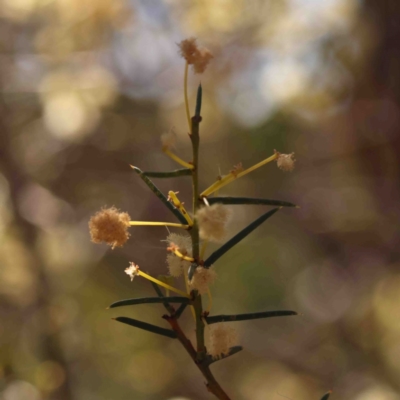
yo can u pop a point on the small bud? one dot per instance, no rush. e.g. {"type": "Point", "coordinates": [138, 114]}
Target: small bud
{"type": "Point", "coordinates": [212, 222]}
{"type": "Point", "coordinates": [195, 56]}
{"type": "Point", "coordinates": [221, 339]}
{"type": "Point", "coordinates": [110, 226]}
{"type": "Point", "coordinates": [285, 162]}
{"type": "Point", "coordinates": [133, 270]}
{"type": "Point", "coordinates": [202, 279]}
{"type": "Point", "coordinates": [168, 139]}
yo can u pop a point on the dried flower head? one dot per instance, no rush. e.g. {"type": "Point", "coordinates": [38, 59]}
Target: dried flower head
{"type": "Point", "coordinates": [285, 162]}
{"type": "Point", "coordinates": [168, 139]}
{"type": "Point", "coordinates": [184, 245]}
{"type": "Point", "coordinates": [198, 57]}
{"type": "Point", "coordinates": [110, 226]}
{"type": "Point", "coordinates": [202, 279]}
{"type": "Point", "coordinates": [133, 270]}
{"type": "Point", "coordinates": [212, 222]}
{"type": "Point", "coordinates": [221, 339]}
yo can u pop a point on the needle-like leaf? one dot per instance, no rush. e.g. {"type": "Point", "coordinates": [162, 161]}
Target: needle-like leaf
{"type": "Point", "coordinates": [147, 327]}
{"type": "Point", "coordinates": [248, 200]}
{"type": "Point", "coordinates": [160, 195]}
{"type": "Point", "coordinates": [169, 174]}
{"type": "Point", "coordinates": [237, 238]}
{"type": "Point", "coordinates": [243, 317]}
{"type": "Point", "coordinates": [148, 300]}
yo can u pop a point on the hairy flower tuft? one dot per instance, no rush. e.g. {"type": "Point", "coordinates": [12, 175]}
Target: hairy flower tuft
{"type": "Point", "coordinates": [198, 57]}
{"type": "Point", "coordinates": [212, 222]}
{"type": "Point", "coordinates": [133, 270]}
{"type": "Point", "coordinates": [110, 226]}
{"type": "Point", "coordinates": [285, 162]}
{"type": "Point", "coordinates": [184, 245]}
{"type": "Point", "coordinates": [221, 339]}
{"type": "Point", "coordinates": [202, 279]}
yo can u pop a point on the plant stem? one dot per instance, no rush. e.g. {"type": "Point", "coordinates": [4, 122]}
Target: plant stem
{"type": "Point", "coordinates": [212, 384]}
{"type": "Point", "coordinates": [199, 356]}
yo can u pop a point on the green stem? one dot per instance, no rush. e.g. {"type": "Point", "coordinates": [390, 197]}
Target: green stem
{"type": "Point", "coordinates": [212, 384]}
{"type": "Point", "coordinates": [195, 138]}
{"type": "Point", "coordinates": [199, 355]}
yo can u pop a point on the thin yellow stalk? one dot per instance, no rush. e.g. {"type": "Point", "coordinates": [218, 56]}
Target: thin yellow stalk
{"type": "Point", "coordinates": [232, 176]}
{"type": "Point", "coordinates": [180, 255]}
{"type": "Point", "coordinates": [177, 203]}
{"type": "Point", "coordinates": [185, 80]}
{"type": "Point", "coordinates": [150, 223]}
{"type": "Point", "coordinates": [177, 159]}
{"type": "Point", "coordinates": [165, 285]}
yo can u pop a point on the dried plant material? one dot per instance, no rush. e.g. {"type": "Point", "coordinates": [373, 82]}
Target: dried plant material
{"type": "Point", "coordinates": [198, 57]}
{"type": "Point", "coordinates": [188, 49]}
{"type": "Point", "coordinates": [213, 221]}
{"type": "Point", "coordinates": [202, 279]}
{"type": "Point", "coordinates": [133, 270]}
{"type": "Point", "coordinates": [202, 59]}
{"type": "Point", "coordinates": [221, 339]}
{"type": "Point", "coordinates": [285, 162]}
{"type": "Point", "coordinates": [110, 226]}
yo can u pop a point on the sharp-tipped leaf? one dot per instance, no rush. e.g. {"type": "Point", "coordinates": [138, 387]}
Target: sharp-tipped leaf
{"type": "Point", "coordinates": [198, 101]}
{"type": "Point", "coordinates": [169, 174]}
{"type": "Point", "coordinates": [243, 317]}
{"type": "Point", "coordinates": [167, 306]}
{"type": "Point", "coordinates": [160, 195]}
{"type": "Point", "coordinates": [148, 300]}
{"type": "Point", "coordinates": [180, 310]}
{"type": "Point", "coordinates": [326, 395]}
{"type": "Point", "coordinates": [233, 350]}
{"type": "Point", "coordinates": [248, 200]}
{"type": "Point", "coordinates": [147, 327]}
{"type": "Point", "coordinates": [237, 238]}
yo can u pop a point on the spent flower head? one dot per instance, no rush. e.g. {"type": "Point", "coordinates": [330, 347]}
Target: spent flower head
{"type": "Point", "coordinates": [221, 339]}
{"type": "Point", "coordinates": [202, 279]}
{"type": "Point", "coordinates": [212, 222]}
{"type": "Point", "coordinates": [198, 57]}
{"type": "Point", "coordinates": [285, 162]}
{"type": "Point", "coordinates": [110, 226]}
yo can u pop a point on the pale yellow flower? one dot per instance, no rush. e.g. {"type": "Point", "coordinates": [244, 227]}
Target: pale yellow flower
{"type": "Point", "coordinates": [110, 226]}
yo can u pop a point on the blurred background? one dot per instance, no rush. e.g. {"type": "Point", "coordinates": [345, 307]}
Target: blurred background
{"type": "Point", "coordinates": [88, 86]}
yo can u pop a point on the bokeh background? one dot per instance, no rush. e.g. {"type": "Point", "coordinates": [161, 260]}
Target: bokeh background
{"type": "Point", "coordinates": [88, 86]}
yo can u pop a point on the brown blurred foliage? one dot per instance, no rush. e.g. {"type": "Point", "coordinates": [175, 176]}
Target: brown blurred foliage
{"type": "Point", "coordinates": [88, 86]}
